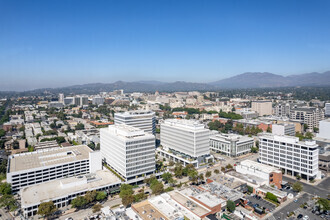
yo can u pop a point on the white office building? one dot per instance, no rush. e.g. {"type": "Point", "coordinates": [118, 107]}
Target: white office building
{"type": "Point", "coordinates": [324, 129]}
{"type": "Point", "coordinates": [308, 115]}
{"type": "Point", "coordinates": [98, 100]}
{"type": "Point", "coordinates": [129, 151]}
{"type": "Point", "coordinates": [63, 191]}
{"type": "Point", "coordinates": [284, 129]}
{"type": "Point", "coordinates": [290, 154]}
{"type": "Point", "coordinates": [40, 166]}
{"type": "Point", "coordinates": [142, 119]}
{"type": "Point", "coordinates": [327, 109]}
{"type": "Point", "coordinates": [184, 139]}
{"type": "Point", "coordinates": [232, 145]}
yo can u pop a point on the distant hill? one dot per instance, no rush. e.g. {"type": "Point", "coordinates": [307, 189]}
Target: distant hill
{"type": "Point", "coordinates": [265, 80]}
{"type": "Point", "coordinates": [243, 81]}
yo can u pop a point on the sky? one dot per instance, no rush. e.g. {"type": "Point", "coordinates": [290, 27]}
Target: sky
{"type": "Point", "coordinates": [57, 43]}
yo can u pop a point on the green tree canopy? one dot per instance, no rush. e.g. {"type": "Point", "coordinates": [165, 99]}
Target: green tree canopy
{"type": "Point", "coordinates": [297, 187]}
{"type": "Point", "coordinates": [79, 202]}
{"type": "Point", "coordinates": [46, 209]}
{"type": "Point", "coordinates": [231, 206]}
{"type": "Point", "coordinates": [5, 188]}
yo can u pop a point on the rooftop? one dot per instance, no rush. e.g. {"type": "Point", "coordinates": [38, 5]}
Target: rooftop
{"type": "Point", "coordinates": [47, 191]}
{"type": "Point", "coordinates": [185, 124]}
{"type": "Point", "coordinates": [258, 166]}
{"type": "Point", "coordinates": [231, 137]}
{"type": "Point", "coordinates": [288, 139]}
{"type": "Point", "coordinates": [147, 211]}
{"type": "Point", "coordinates": [125, 132]}
{"type": "Point", "coordinates": [47, 157]}
{"type": "Point", "coordinates": [135, 113]}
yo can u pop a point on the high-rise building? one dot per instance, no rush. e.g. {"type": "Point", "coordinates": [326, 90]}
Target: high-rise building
{"type": "Point", "coordinates": [262, 107]}
{"type": "Point", "coordinates": [310, 116]}
{"type": "Point", "coordinates": [231, 144]}
{"type": "Point", "coordinates": [69, 101]}
{"type": "Point", "coordinates": [290, 154]}
{"type": "Point", "coordinates": [129, 151]}
{"type": "Point", "coordinates": [142, 119]}
{"type": "Point", "coordinates": [327, 109]}
{"type": "Point", "coordinates": [61, 97]}
{"type": "Point", "coordinates": [187, 138]}
{"type": "Point", "coordinates": [284, 129]}
{"type": "Point", "coordinates": [77, 101]}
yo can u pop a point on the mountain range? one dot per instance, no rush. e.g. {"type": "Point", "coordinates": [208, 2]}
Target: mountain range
{"type": "Point", "coordinates": [243, 81]}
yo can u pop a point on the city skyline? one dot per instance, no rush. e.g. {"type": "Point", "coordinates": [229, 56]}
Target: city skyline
{"type": "Point", "coordinates": [46, 44]}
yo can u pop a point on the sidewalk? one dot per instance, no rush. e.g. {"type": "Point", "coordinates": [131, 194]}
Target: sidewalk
{"type": "Point", "coordinates": [305, 181]}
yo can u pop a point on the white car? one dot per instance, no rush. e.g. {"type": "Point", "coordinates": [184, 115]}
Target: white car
{"type": "Point", "coordinates": [306, 217]}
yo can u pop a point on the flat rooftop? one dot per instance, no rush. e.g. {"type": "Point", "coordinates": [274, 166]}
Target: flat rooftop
{"type": "Point", "coordinates": [146, 211]}
{"type": "Point", "coordinates": [126, 132]}
{"type": "Point", "coordinates": [47, 157]}
{"type": "Point", "coordinates": [193, 125]}
{"type": "Point", "coordinates": [258, 166]}
{"type": "Point", "coordinates": [230, 137]}
{"type": "Point", "coordinates": [60, 188]}
{"type": "Point", "coordinates": [135, 113]}
{"type": "Point", "coordinates": [189, 203]}
{"type": "Point", "coordinates": [203, 196]}
{"type": "Point", "coordinates": [287, 139]}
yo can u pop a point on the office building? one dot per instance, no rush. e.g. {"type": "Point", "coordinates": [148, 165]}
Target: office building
{"type": "Point", "coordinates": [97, 100]}
{"type": "Point", "coordinates": [69, 101]}
{"type": "Point", "coordinates": [262, 107]}
{"type": "Point", "coordinates": [186, 141]}
{"type": "Point", "coordinates": [48, 164]}
{"type": "Point", "coordinates": [63, 191]}
{"type": "Point", "coordinates": [327, 109]}
{"type": "Point", "coordinates": [284, 129]}
{"type": "Point", "coordinates": [129, 151]}
{"type": "Point", "coordinates": [324, 129]}
{"type": "Point", "coordinates": [308, 115]}
{"type": "Point", "coordinates": [232, 145]}
{"type": "Point", "coordinates": [55, 105]}
{"type": "Point", "coordinates": [288, 153]}
{"type": "Point", "coordinates": [267, 175]}
{"type": "Point", "coordinates": [142, 119]}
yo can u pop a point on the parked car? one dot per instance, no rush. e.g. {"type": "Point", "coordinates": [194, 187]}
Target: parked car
{"type": "Point", "coordinates": [299, 216]}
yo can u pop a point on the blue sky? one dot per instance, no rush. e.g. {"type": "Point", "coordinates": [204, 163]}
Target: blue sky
{"type": "Point", "coordinates": [57, 43]}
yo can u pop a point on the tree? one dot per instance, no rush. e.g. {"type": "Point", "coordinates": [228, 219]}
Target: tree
{"type": "Point", "coordinates": [271, 196]}
{"type": "Point", "coordinates": [231, 206]}
{"type": "Point", "coordinates": [126, 189]}
{"type": "Point", "coordinates": [178, 170]}
{"type": "Point", "coordinates": [157, 188]}
{"type": "Point", "coordinates": [193, 176]}
{"type": "Point", "coordinates": [216, 171]}
{"type": "Point", "coordinates": [127, 200]}
{"type": "Point", "coordinates": [201, 177]}
{"type": "Point", "coordinates": [298, 177]}
{"type": "Point", "coordinates": [101, 195]}
{"type": "Point", "coordinates": [250, 189]}
{"type": "Point", "coordinates": [90, 196]}
{"type": "Point", "coordinates": [324, 203]}
{"type": "Point", "coordinates": [269, 129]}
{"type": "Point", "coordinates": [80, 126]}
{"type": "Point", "coordinates": [8, 202]}
{"type": "Point", "coordinates": [167, 177]}
{"type": "Point", "coordinates": [96, 207]}
{"type": "Point", "coordinates": [5, 188]}
{"type": "Point", "coordinates": [254, 150]}
{"type": "Point", "coordinates": [208, 174]}
{"type": "Point", "coordinates": [46, 209]}
{"type": "Point", "coordinates": [223, 169]}
{"type": "Point", "coordinates": [229, 166]}
{"type": "Point", "coordinates": [79, 202]}
{"type": "Point", "coordinates": [298, 187]}
{"type": "Point", "coordinates": [2, 133]}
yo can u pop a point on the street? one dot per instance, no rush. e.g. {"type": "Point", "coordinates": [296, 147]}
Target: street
{"type": "Point", "coordinates": [321, 190]}
{"type": "Point", "coordinates": [4, 215]}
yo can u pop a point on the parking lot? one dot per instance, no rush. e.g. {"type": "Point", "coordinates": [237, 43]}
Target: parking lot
{"type": "Point", "coordinates": [262, 203]}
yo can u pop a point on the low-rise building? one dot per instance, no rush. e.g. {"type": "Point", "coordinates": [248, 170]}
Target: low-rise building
{"type": "Point", "coordinates": [231, 144]}
{"type": "Point", "coordinates": [268, 174]}
{"type": "Point", "coordinates": [283, 129]}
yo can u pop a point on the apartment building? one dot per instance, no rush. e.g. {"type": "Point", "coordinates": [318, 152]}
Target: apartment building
{"type": "Point", "coordinates": [268, 174]}
{"type": "Point", "coordinates": [282, 110]}
{"type": "Point", "coordinates": [129, 151]}
{"type": "Point", "coordinates": [284, 129]}
{"type": "Point", "coordinates": [142, 119]}
{"type": "Point", "coordinates": [290, 154]}
{"type": "Point", "coordinates": [262, 107]}
{"type": "Point", "coordinates": [310, 116]}
{"type": "Point", "coordinates": [185, 141]}
{"type": "Point", "coordinates": [232, 145]}
{"type": "Point", "coordinates": [44, 165]}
